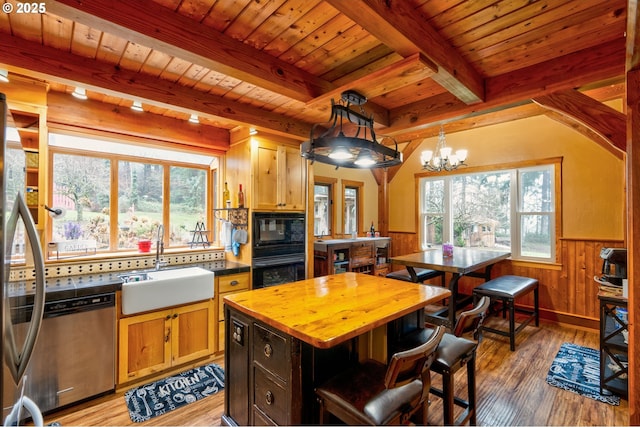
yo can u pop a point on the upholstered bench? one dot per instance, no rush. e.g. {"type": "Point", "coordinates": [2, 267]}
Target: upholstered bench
{"type": "Point", "coordinates": [421, 273]}
{"type": "Point", "coordinates": [506, 289]}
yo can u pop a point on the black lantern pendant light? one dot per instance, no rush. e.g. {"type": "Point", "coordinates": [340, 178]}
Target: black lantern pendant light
{"type": "Point", "coordinates": [348, 139]}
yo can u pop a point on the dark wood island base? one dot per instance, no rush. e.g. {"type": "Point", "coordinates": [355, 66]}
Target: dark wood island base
{"type": "Point", "coordinates": [285, 340]}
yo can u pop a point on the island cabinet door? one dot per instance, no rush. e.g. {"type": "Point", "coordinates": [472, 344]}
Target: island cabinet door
{"type": "Point", "coordinates": [263, 374]}
{"type": "Point", "coordinates": [276, 376]}
{"type": "Point", "coordinates": [237, 363]}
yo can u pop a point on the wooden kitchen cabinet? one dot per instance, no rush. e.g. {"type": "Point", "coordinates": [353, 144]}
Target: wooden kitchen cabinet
{"type": "Point", "coordinates": [227, 285]}
{"type": "Point", "coordinates": [266, 386]}
{"type": "Point", "coordinates": [279, 178]}
{"type": "Point", "coordinates": [27, 103]}
{"type": "Point", "coordinates": [27, 121]}
{"type": "Point", "coordinates": [155, 341]}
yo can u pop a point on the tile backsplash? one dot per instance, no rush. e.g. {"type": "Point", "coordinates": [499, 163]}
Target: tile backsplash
{"type": "Point", "coordinates": [115, 264]}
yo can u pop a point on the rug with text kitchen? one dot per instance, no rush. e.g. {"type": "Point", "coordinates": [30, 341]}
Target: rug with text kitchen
{"type": "Point", "coordinates": [160, 397]}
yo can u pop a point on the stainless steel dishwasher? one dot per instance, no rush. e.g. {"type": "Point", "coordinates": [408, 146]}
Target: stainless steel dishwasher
{"type": "Point", "coordinates": [74, 357]}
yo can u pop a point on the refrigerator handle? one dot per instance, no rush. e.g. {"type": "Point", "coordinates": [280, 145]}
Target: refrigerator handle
{"type": "Point", "coordinates": [17, 361]}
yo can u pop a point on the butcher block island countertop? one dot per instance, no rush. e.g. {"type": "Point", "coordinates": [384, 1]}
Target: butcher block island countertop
{"type": "Point", "coordinates": [286, 340]}
{"type": "Point", "coordinates": [326, 311]}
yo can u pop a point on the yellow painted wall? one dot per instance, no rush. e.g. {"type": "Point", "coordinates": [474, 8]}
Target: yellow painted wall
{"type": "Point", "coordinates": [370, 193]}
{"type": "Point", "coordinates": [593, 186]}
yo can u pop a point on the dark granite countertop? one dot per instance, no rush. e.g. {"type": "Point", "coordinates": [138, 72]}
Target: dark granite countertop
{"type": "Point", "coordinates": [59, 288]}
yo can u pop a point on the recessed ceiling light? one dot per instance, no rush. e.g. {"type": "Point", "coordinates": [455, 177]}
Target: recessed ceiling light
{"type": "Point", "coordinates": [194, 118]}
{"type": "Point", "coordinates": [137, 106]}
{"type": "Point", "coordinates": [4, 76]}
{"type": "Point", "coordinates": [79, 93]}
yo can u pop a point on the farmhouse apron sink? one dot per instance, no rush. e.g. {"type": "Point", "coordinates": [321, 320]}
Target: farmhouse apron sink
{"type": "Point", "coordinates": [154, 290]}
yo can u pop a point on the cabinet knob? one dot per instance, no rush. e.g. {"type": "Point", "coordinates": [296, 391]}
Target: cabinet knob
{"type": "Point", "coordinates": [268, 350]}
{"type": "Point", "coordinates": [168, 317]}
{"type": "Point", "coordinates": [269, 398]}
{"type": "Point", "coordinates": [234, 283]}
{"type": "Point", "coordinates": [175, 315]}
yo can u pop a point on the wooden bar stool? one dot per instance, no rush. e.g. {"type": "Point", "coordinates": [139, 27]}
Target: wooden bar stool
{"type": "Point", "coordinates": [507, 289]}
{"type": "Point", "coordinates": [372, 393]}
{"type": "Point", "coordinates": [454, 353]}
{"type": "Point", "coordinates": [422, 274]}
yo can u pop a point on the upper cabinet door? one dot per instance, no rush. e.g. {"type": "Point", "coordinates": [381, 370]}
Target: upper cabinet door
{"type": "Point", "coordinates": [279, 178]}
{"type": "Point", "coordinates": [294, 183]}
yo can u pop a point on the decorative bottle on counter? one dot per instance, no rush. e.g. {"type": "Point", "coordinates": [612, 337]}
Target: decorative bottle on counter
{"type": "Point", "coordinates": [226, 198]}
{"type": "Point", "coordinates": [240, 197]}
{"type": "Point", "coordinates": [373, 230]}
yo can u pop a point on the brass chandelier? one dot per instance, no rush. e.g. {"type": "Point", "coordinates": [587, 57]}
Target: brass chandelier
{"type": "Point", "coordinates": [348, 138]}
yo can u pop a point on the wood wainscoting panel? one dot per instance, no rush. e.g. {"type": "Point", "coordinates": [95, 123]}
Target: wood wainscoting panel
{"type": "Point", "coordinates": [568, 293]}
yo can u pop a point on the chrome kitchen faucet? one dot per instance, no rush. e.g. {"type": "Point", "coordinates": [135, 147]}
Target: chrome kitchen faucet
{"type": "Point", "coordinates": [160, 247]}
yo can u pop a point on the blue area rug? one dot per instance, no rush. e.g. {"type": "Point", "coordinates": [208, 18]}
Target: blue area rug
{"type": "Point", "coordinates": [160, 397]}
{"type": "Point", "coordinates": [577, 369]}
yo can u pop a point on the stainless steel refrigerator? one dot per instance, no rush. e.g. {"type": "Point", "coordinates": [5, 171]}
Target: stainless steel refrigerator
{"type": "Point", "coordinates": [17, 347]}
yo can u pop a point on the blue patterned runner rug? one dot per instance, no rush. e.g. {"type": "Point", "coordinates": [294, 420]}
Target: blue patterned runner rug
{"type": "Point", "coordinates": [160, 397]}
{"type": "Point", "coordinates": [577, 369]}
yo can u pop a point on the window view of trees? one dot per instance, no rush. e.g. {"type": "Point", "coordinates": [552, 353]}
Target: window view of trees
{"type": "Point", "coordinates": [82, 185]}
{"type": "Point", "coordinates": [481, 210]}
{"type": "Point", "coordinates": [322, 210]}
{"type": "Point", "coordinates": [536, 212]}
{"type": "Point", "coordinates": [188, 202]}
{"type": "Point", "coordinates": [139, 202]}
{"type": "Point", "coordinates": [350, 210]}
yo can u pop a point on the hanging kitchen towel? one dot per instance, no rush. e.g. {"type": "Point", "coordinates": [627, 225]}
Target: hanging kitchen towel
{"type": "Point", "coordinates": [226, 235]}
{"type": "Point", "coordinates": [235, 246]}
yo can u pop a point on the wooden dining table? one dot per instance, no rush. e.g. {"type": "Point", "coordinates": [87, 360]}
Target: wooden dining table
{"type": "Point", "coordinates": [464, 262]}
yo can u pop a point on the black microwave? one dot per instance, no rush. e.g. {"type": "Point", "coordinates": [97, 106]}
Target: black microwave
{"type": "Point", "coordinates": [278, 233]}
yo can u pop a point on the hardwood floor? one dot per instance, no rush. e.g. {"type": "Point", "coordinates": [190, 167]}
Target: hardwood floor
{"type": "Point", "coordinates": [511, 390]}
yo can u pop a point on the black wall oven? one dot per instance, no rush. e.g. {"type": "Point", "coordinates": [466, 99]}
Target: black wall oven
{"type": "Point", "coordinates": [278, 250]}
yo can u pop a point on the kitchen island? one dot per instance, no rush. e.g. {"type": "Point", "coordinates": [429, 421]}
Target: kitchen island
{"type": "Point", "coordinates": [285, 340]}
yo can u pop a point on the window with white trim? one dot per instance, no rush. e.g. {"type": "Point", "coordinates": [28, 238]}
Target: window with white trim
{"type": "Point", "coordinates": [511, 209]}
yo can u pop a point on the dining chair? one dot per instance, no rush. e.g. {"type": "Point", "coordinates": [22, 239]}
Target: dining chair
{"type": "Point", "coordinates": [372, 393]}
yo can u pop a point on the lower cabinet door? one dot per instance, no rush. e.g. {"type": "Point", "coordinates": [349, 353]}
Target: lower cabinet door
{"type": "Point", "coordinates": [144, 345]}
{"type": "Point", "coordinates": [192, 328]}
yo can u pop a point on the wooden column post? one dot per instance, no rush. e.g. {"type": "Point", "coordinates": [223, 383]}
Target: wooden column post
{"type": "Point", "coordinates": [633, 204]}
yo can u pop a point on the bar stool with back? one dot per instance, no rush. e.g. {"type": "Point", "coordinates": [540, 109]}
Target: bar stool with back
{"type": "Point", "coordinates": [454, 353]}
{"type": "Point", "coordinates": [372, 393]}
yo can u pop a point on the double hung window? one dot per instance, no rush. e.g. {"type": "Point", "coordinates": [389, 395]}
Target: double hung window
{"type": "Point", "coordinates": [512, 209]}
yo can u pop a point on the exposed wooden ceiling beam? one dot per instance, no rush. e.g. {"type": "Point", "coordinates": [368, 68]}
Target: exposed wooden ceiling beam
{"type": "Point", "coordinates": [609, 124]}
{"type": "Point", "coordinates": [157, 27]}
{"type": "Point", "coordinates": [505, 91]}
{"type": "Point", "coordinates": [407, 71]}
{"type": "Point", "coordinates": [613, 91]}
{"type": "Point", "coordinates": [585, 131]}
{"type": "Point", "coordinates": [55, 65]}
{"type": "Point", "coordinates": [64, 110]}
{"type": "Point", "coordinates": [401, 27]}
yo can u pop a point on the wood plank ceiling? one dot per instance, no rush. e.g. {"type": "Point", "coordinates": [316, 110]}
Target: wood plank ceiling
{"type": "Point", "coordinates": [275, 64]}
